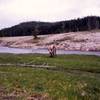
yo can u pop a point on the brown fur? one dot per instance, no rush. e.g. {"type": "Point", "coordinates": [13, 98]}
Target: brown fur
{"type": "Point", "coordinates": [52, 50]}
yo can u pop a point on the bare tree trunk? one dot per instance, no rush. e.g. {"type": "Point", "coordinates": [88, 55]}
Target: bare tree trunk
{"type": "Point", "coordinates": [89, 24]}
{"type": "Point", "coordinates": [97, 24]}
{"type": "Point", "coordinates": [63, 27]}
{"type": "Point", "coordinates": [36, 31]}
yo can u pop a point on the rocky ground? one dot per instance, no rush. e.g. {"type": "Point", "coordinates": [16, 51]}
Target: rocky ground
{"type": "Point", "coordinates": [84, 41]}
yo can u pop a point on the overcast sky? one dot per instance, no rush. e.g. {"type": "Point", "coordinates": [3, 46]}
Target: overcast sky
{"type": "Point", "coordinates": [13, 12]}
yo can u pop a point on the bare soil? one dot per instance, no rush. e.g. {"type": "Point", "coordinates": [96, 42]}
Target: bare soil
{"type": "Point", "coordinates": [83, 41]}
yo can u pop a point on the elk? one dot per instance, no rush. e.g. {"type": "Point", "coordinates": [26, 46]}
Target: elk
{"type": "Point", "coordinates": [52, 50]}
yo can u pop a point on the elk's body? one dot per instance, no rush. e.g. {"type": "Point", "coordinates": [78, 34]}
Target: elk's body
{"type": "Point", "coordinates": [52, 50]}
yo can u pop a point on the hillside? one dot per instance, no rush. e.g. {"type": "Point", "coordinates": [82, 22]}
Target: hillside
{"type": "Point", "coordinates": [43, 28]}
{"type": "Point", "coordinates": [84, 41]}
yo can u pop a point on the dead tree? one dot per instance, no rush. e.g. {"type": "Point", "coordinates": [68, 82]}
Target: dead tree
{"type": "Point", "coordinates": [36, 31]}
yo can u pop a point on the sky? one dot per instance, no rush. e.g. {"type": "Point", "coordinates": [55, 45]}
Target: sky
{"type": "Point", "coordinates": [13, 12]}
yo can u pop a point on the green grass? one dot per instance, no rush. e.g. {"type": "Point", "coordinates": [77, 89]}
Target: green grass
{"type": "Point", "coordinates": [78, 79]}
{"type": "Point", "coordinates": [57, 85]}
{"type": "Point", "coordinates": [80, 62]}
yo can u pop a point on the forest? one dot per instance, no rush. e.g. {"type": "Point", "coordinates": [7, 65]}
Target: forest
{"type": "Point", "coordinates": [42, 28]}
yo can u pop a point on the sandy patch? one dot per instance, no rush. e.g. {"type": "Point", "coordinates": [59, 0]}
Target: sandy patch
{"type": "Point", "coordinates": [86, 41]}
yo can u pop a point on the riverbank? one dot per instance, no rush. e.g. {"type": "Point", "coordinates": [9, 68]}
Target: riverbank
{"type": "Point", "coordinates": [37, 76]}
{"type": "Point", "coordinates": [78, 41]}
{"type": "Point", "coordinates": [44, 51]}
{"type": "Point", "coordinates": [85, 62]}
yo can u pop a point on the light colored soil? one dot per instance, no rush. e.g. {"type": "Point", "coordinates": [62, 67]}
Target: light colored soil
{"type": "Point", "coordinates": [84, 41]}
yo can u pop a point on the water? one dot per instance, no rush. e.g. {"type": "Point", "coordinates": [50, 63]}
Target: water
{"type": "Point", "coordinates": [44, 51]}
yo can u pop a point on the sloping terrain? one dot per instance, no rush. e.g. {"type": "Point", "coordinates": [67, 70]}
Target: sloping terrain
{"type": "Point", "coordinates": [84, 41]}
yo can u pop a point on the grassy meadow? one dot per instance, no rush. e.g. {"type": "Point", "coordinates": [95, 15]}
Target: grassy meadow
{"type": "Point", "coordinates": [64, 77]}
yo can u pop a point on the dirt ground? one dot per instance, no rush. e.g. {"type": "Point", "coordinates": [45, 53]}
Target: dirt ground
{"type": "Point", "coordinates": [84, 41]}
{"type": "Point", "coordinates": [17, 96]}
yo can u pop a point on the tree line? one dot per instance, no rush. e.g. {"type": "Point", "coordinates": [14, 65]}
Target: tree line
{"type": "Point", "coordinates": [42, 28]}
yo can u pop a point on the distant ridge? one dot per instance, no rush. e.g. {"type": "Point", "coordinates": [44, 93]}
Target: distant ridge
{"type": "Point", "coordinates": [28, 28]}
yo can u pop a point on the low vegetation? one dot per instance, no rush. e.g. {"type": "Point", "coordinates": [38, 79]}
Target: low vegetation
{"type": "Point", "coordinates": [73, 62]}
{"type": "Point", "coordinates": [67, 77]}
